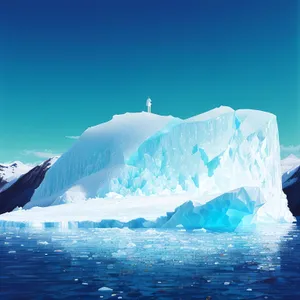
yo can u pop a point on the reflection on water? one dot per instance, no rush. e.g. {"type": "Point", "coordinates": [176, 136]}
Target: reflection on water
{"type": "Point", "coordinates": [150, 264]}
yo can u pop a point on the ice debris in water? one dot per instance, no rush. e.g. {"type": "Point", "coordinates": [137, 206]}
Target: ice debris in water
{"type": "Point", "coordinates": [105, 289]}
{"type": "Point", "coordinates": [43, 243]}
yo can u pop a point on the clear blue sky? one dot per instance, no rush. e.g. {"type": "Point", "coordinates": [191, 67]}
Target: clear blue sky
{"type": "Point", "coordinates": [68, 65]}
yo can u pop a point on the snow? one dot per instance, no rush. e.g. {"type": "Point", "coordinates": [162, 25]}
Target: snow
{"type": "Point", "coordinates": [122, 210]}
{"type": "Point", "coordinates": [290, 163]}
{"type": "Point", "coordinates": [223, 213]}
{"type": "Point", "coordinates": [52, 161]}
{"type": "Point", "coordinates": [12, 171]}
{"type": "Point", "coordinates": [289, 167]}
{"type": "Point", "coordinates": [98, 155]}
{"type": "Point", "coordinates": [142, 165]}
{"type": "Point", "coordinates": [211, 114]}
{"type": "Point", "coordinates": [290, 177]}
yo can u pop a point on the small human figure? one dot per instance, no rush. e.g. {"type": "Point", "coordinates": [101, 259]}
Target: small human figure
{"type": "Point", "coordinates": [148, 104]}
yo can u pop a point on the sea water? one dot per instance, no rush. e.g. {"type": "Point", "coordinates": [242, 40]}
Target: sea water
{"type": "Point", "coordinates": [251, 263]}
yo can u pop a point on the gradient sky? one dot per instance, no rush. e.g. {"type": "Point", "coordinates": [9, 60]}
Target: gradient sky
{"type": "Point", "coordinates": [68, 65]}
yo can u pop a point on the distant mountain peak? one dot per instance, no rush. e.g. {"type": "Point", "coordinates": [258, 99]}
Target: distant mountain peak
{"type": "Point", "coordinates": [292, 156]}
{"type": "Point", "coordinates": [289, 163]}
{"type": "Point", "coordinates": [10, 172]}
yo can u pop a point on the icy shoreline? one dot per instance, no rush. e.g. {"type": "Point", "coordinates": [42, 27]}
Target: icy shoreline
{"type": "Point", "coordinates": [122, 212]}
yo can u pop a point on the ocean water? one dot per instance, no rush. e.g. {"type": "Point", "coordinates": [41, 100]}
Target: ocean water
{"type": "Point", "coordinates": [256, 263]}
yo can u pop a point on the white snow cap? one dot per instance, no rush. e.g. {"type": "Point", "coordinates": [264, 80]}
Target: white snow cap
{"type": "Point", "coordinates": [290, 163]}
{"type": "Point", "coordinates": [12, 171]}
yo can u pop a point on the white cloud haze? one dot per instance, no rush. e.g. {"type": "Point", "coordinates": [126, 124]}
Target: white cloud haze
{"type": "Point", "coordinates": [41, 154]}
{"type": "Point", "coordinates": [288, 150]}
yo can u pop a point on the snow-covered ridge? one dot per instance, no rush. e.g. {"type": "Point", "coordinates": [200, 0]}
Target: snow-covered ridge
{"type": "Point", "coordinates": [10, 172]}
{"type": "Point", "coordinates": [18, 192]}
{"type": "Point", "coordinates": [291, 182]}
{"type": "Point", "coordinates": [13, 169]}
{"type": "Point", "coordinates": [290, 163]}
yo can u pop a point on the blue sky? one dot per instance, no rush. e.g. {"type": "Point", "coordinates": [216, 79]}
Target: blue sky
{"type": "Point", "coordinates": [68, 65]}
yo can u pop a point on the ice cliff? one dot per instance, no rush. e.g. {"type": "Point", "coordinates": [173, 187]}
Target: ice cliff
{"type": "Point", "coordinates": [202, 157]}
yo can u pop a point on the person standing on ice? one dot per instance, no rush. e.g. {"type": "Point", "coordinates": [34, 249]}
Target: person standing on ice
{"type": "Point", "coordinates": [148, 104]}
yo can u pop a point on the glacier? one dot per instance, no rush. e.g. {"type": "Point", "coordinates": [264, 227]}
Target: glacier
{"type": "Point", "coordinates": [223, 164]}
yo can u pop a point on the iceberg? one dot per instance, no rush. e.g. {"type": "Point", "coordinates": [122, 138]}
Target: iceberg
{"type": "Point", "coordinates": [222, 158]}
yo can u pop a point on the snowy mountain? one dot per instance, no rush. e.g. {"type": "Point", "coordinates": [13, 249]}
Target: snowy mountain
{"type": "Point", "coordinates": [289, 163]}
{"type": "Point", "coordinates": [9, 173]}
{"type": "Point", "coordinates": [222, 152]}
{"type": "Point", "coordinates": [291, 183]}
{"type": "Point", "coordinates": [291, 187]}
{"type": "Point", "coordinates": [19, 190]}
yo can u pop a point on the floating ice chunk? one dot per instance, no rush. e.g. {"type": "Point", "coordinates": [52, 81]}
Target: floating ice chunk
{"type": "Point", "coordinates": [201, 230]}
{"type": "Point", "coordinates": [43, 243]}
{"type": "Point", "coordinates": [119, 253]}
{"type": "Point", "coordinates": [105, 289]}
